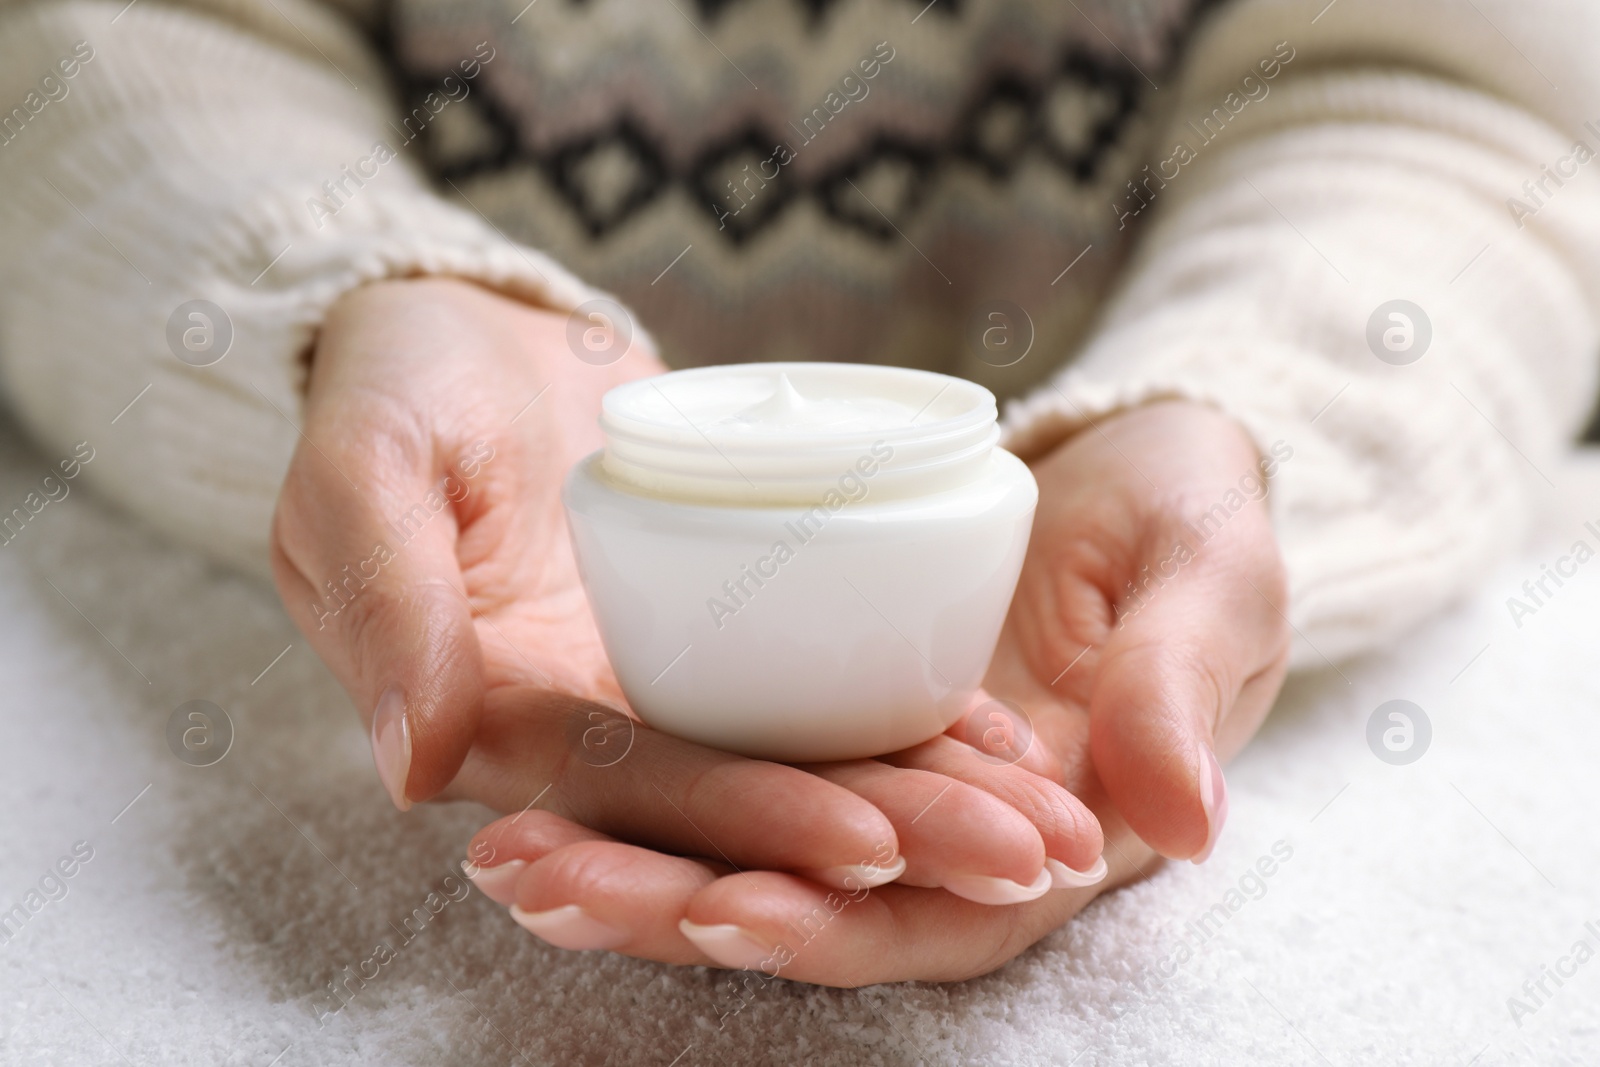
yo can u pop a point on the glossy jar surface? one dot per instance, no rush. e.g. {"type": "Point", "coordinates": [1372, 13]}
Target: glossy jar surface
{"type": "Point", "coordinates": [796, 570]}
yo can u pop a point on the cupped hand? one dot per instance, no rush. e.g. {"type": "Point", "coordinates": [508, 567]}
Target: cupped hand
{"type": "Point", "coordinates": [420, 544]}
{"type": "Point", "coordinates": [1145, 644]}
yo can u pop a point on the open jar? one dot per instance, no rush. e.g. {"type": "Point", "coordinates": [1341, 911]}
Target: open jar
{"type": "Point", "coordinates": [800, 561]}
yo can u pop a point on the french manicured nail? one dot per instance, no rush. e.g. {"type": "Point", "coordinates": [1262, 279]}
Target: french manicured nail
{"type": "Point", "coordinates": [569, 927]}
{"type": "Point", "coordinates": [854, 876]}
{"type": "Point", "coordinates": [1064, 877]}
{"type": "Point", "coordinates": [1213, 798]}
{"type": "Point", "coordinates": [730, 945]}
{"type": "Point", "coordinates": [499, 883]}
{"type": "Point", "coordinates": [984, 889]}
{"type": "Point", "coordinates": [391, 745]}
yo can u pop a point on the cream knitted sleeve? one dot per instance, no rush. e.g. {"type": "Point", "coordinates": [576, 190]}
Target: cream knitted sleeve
{"type": "Point", "coordinates": [1412, 150]}
{"type": "Point", "coordinates": [177, 162]}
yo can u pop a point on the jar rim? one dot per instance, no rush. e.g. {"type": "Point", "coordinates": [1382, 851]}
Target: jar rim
{"type": "Point", "coordinates": [663, 438]}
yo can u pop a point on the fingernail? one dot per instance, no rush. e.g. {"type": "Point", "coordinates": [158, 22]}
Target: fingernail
{"type": "Point", "coordinates": [730, 945]}
{"type": "Point", "coordinates": [1064, 877]}
{"type": "Point", "coordinates": [498, 883]}
{"type": "Point", "coordinates": [854, 876]}
{"type": "Point", "coordinates": [391, 745]}
{"type": "Point", "coordinates": [1213, 798]}
{"type": "Point", "coordinates": [983, 889]}
{"type": "Point", "coordinates": [570, 927]}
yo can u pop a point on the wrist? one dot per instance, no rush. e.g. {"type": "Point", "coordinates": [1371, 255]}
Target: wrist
{"type": "Point", "coordinates": [470, 324]}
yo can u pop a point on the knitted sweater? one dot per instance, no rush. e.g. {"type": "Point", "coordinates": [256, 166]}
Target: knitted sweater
{"type": "Point", "coordinates": [1084, 205]}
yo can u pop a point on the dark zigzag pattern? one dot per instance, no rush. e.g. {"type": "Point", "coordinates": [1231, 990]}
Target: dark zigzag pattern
{"type": "Point", "coordinates": [1082, 69]}
{"type": "Point", "coordinates": [1024, 102]}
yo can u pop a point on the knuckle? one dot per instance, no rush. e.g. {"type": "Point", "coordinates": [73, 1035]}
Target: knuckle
{"type": "Point", "coordinates": [381, 460]}
{"type": "Point", "coordinates": [587, 790]}
{"type": "Point", "coordinates": [1213, 681]}
{"type": "Point", "coordinates": [536, 828]}
{"type": "Point", "coordinates": [1175, 680]}
{"type": "Point", "coordinates": [378, 618]}
{"type": "Point", "coordinates": [566, 770]}
{"type": "Point", "coordinates": [281, 549]}
{"type": "Point", "coordinates": [366, 619]}
{"type": "Point", "coordinates": [443, 616]}
{"type": "Point", "coordinates": [580, 871]}
{"type": "Point", "coordinates": [705, 788]}
{"type": "Point", "coordinates": [528, 835]}
{"type": "Point", "coordinates": [1057, 817]}
{"type": "Point", "coordinates": [1274, 579]}
{"type": "Point", "coordinates": [371, 438]}
{"type": "Point", "coordinates": [294, 518]}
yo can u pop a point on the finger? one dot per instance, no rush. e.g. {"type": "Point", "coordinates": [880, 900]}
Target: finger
{"type": "Point", "coordinates": [364, 556]}
{"type": "Point", "coordinates": [607, 895]}
{"type": "Point", "coordinates": [951, 834]}
{"type": "Point", "coordinates": [1170, 678]}
{"type": "Point", "coordinates": [1068, 830]}
{"type": "Point", "coordinates": [780, 925]}
{"type": "Point", "coordinates": [651, 789]}
{"type": "Point", "coordinates": [579, 889]}
{"type": "Point", "coordinates": [501, 851]}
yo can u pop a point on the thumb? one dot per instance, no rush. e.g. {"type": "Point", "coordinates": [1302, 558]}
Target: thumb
{"type": "Point", "coordinates": [1191, 668]}
{"type": "Point", "coordinates": [373, 581]}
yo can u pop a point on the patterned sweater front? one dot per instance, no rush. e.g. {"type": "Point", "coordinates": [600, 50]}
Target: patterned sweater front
{"type": "Point", "coordinates": [865, 180]}
{"type": "Point", "coordinates": [1082, 204]}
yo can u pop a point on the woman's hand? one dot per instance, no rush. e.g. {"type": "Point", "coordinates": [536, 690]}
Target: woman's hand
{"type": "Point", "coordinates": [1130, 683]}
{"type": "Point", "coordinates": [421, 545]}
{"type": "Point", "coordinates": [1149, 627]}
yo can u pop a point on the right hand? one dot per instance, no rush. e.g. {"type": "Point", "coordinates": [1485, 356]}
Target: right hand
{"type": "Point", "coordinates": [1140, 667]}
{"type": "Point", "coordinates": [470, 650]}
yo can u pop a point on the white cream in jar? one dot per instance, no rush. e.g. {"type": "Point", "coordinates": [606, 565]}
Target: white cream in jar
{"type": "Point", "coordinates": [800, 561]}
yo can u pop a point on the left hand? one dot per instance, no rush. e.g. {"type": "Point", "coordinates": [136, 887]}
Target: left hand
{"type": "Point", "coordinates": [1145, 643]}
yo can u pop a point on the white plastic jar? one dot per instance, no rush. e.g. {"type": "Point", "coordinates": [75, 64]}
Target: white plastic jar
{"type": "Point", "coordinates": [800, 561]}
